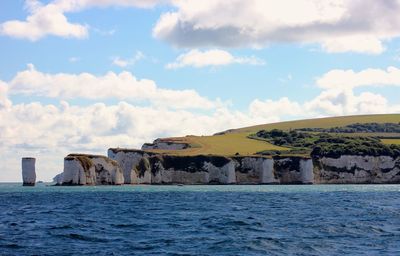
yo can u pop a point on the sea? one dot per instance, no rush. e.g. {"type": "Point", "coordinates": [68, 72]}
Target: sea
{"type": "Point", "coordinates": [200, 220]}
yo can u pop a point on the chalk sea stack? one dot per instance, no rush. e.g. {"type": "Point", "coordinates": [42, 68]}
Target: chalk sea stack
{"type": "Point", "coordinates": [28, 171]}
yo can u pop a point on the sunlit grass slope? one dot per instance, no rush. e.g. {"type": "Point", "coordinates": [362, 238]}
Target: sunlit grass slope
{"type": "Point", "coordinates": [391, 141]}
{"type": "Point", "coordinates": [227, 145]}
{"type": "Point", "coordinates": [323, 122]}
{"type": "Point", "coordinates": [237, 141]}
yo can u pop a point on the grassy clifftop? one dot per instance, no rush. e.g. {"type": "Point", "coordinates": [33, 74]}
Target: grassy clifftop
{"type": "Point", "coordinates": [327, 122]}
{"type": "Point", "coordinates": [236, 141]}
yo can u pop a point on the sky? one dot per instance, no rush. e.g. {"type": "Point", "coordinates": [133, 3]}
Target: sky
{"type": "Point", "coordinates": [86, 75]}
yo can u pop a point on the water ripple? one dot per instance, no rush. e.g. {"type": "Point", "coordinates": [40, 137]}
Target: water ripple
{"type": "Point", "coordinates": [226, 220]}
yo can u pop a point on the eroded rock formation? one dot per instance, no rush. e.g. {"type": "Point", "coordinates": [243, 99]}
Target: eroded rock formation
{"type": "Point", "coordinates": [80, 169]}
{"type": "Point", "coordinates": [141, 167]}
{"type": "Point", "coordinates": [28, 171]}
{"type": "Point", "coordinates": [357, 169]}
{"type": "Point", "coordinates": [165, 144]}
{"type": "Point", "coordinates": [59, 178]}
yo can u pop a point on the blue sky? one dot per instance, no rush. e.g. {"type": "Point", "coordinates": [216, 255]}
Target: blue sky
{"type": "Point", "coordinates": [83, 75]}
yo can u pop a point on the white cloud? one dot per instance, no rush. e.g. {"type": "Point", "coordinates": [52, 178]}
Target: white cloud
{"type": "Point", "coordinates": [198, 59]}
{"type": "Point", "coordinates": [4, 101]}
{"type": "Point", "coordinates": [50, 132]}
{"type": "Point", "coordinates": [369, 77]}
{"type": "Point", "coordinates": [50, 19]}
{"type": "Point", "coordinates": [121, 86]}
{"type": "Point", "coordinates": [337, 96]}
{"type": "Point", "coordinates": [123, 63]}
{"type": "Point", "coordinates": [42, 21]}
{"type": "Point", "coordinates": [330, 102]}
{"type": "Point", "coordinates": [337, 25]}
{"type": "Point", "coordinates": [275, 109]}
{"type": "Point", "coordinates": [334, 102]}
{"type": "Point", "coordinates": [357, 43]}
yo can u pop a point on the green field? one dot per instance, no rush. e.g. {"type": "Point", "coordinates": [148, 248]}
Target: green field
{"type": "Point", "coordinates": [391, 141]}
{"type": "Point", "coordinates": [237, 141]}
{"type": "Point", "coordinates": [227, 145]}
{"type": "Point", "coordinates": [323, 122]}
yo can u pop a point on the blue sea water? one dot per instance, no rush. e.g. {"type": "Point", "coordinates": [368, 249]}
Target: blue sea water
{"type": "Point", "coordinates": [200, 220]}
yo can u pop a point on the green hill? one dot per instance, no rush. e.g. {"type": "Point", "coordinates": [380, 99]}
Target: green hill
{"type": "Point", "coordinates": [237, 141]}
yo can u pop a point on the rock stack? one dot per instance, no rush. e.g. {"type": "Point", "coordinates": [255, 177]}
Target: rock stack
{"type": "Point", "coordinates": [28, 171]}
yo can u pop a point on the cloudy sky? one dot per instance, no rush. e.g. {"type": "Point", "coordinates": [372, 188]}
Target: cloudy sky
{"type": "Point", "coordinates": [86, 75]}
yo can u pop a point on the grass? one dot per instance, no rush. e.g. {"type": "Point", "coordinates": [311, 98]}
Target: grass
{"type": "Point", "coordinates": [388, 135]}
{"type": "Point", "coordinates": [225, 145]}
{"type": "Point", "coordinates": [237, 141]}
{"type": "Point", "coordinates": [323, 122]}
{"type": "Point", "coordinates": [391, 141]}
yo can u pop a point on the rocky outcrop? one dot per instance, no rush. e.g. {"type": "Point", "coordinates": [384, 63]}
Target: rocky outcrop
{"type": "Point", "coordinates": [129, 160]}
{"type": "Point", "coordinates": [168, 169]}
{"type": "Point", "coordinates": [255, 170]}
{"type": "Point", "coordinates": [28, 171]}
{"type": "Point", "coordinates": [349, 169]}
{"type": "Point", "coordinates": [164, 144]}
{"type": "Point", "coordinates": [80, 169]}
{"type": "Point", "coordinates": [260, 170]}
{"type": "Point", "coordinates": [132, 166]}
{"type": "Point", "coordinates": [59, 178]}
{"type": "Point", "coordinates": [141, 167]}
{"type": "Point", "coordinates": [294, 170]}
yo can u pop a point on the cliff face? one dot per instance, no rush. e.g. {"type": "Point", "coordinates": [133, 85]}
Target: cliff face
{"type": "Point", "coordinates": [357, 169]}
{"type": "Point", "coordinates": [192, 170]}
{"type": "Point", "coordinates": [91, 170]}
{"type": "Point", "coordinates": [139, 167]}
{"type": "Point", "coordinates": [258, 170]}
{"type": "Point", "coordinates": [165, 145]}
{"type": "Point", "coordinates": [144, 168]}
{"type": "Point", "coordinates": [130, 161]}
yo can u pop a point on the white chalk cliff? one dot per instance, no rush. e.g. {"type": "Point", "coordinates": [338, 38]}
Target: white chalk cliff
{"type": "Point", "coordinates": [59, 178]}
{"type": "Point", "coordinates": [141, 167]}
{"type": "Point", "coordinates": [91, 170]}
{"type": "Point", "coordinates": [165, 145]}
{"type": "Point", "coordinates": [357, 169]}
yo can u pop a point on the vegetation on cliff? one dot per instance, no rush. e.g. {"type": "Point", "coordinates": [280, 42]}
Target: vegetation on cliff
{"type": "Point", "coordinates": [240, 142]}
{"type": "Point", "coordinates": [327, 144]}
{"type": "Point", "coordinates": [359, 128]}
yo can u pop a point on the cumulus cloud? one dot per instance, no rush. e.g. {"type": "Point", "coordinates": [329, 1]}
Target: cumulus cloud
{"type": "Point", "coordinates": [4, 101]}
{"type": "Point", "coordinates": [43, 20]}
{"type": "Point", "coordinates": [50, 19]}
{"type": "Point", "coordinates": [275, 109]}
{"type": "Point", "coordinates": [51, 131]}
{"type": "Point", "coordinates": [121, 86]}
{"type": "Point", "coordinates": [337, 25]}
{"type": "Point", "coordinates": [369, 77]}
{"type": "Point", "coordinates": [123, 63]}
{"type": "Point", "coordinates": [198, 59]}
{"type": "Point", "coordinates": [360, 26]}
{"type": "Point", "coordinates": [337, 97]}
